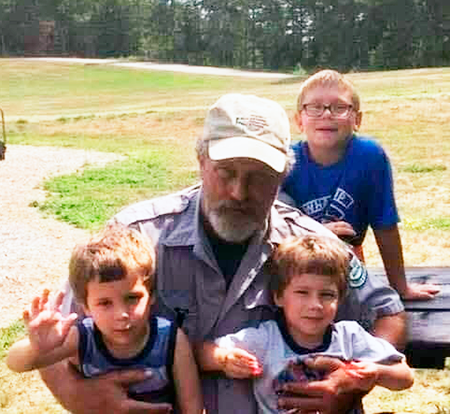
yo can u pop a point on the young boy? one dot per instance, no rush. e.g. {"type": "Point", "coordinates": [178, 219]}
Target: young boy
{"type": "Point", "coordinates": [309, 278]}
{"type": "Point", "coordinates": [345, 181]}
{"type": "Point", "coordinates": [113, 276]}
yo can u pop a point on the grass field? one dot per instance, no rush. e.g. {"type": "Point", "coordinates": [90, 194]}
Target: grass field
{"type": "Point", "coordinates": [154, 119]}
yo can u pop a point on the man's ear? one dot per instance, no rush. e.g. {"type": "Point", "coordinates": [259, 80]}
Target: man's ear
{"type": "Point", "coordinates": [201, 163]}
{"type": "Point", "coordinates": [358, 119]}
{"type": "Point", "coordinates": [298, 120]}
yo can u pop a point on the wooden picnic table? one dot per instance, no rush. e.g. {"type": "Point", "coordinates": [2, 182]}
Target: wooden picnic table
{"type": "Point", "coordinates": [428, 342]}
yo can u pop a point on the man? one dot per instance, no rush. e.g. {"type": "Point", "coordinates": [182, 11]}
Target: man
{"type": "Point", "coordinates": [212, 243]}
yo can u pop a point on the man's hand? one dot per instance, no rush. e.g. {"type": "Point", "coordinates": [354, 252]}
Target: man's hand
{"type": "Point", "coordinates": [104, 394]}
{"type": "Point", "coordinates": [335, 394]}
{"type": "Point", "coordinates": [47, 328]}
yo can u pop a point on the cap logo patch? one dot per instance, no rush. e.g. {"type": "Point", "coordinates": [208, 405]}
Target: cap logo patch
{"type": "Point", "coordinates": [253, 122]}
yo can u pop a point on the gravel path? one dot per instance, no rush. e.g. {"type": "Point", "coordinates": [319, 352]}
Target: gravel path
{"type": "Point", "coordinates": [34, 251]}
{"type": "Point", "coordinates": [171, 67]}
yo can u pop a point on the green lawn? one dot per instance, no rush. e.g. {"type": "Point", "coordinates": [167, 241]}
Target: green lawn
{"type": "Point", "coordinates": [153, 119]}
{"type": "Point", "coordinates": [43, 90]}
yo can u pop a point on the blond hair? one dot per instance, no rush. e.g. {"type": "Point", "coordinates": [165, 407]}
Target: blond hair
{"type": "Point", "coordinates": [313, 254]}
{"type": "Point", "coordinates": [111, 255]}
{"type": "Point", "coordinates": [328, 78]}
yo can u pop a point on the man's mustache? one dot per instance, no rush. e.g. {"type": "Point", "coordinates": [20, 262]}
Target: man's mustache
{"type": "Point", "coordinates": [241, 207]}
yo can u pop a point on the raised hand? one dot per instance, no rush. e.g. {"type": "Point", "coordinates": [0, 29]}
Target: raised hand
{"type": "Point", "coordinates": [47, 327]}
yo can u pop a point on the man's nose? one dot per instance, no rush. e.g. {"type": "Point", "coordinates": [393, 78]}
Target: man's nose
{"type": "Point", "coordinates": [239, 188]}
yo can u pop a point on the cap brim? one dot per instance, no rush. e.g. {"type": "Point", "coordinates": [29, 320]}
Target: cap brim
{"type": "Point", "coordinates": [244, 147]}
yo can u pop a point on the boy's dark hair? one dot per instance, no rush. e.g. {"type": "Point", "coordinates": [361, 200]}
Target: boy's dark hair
{"type": "Point", "coordinates": [312, 254]}
{"type": "Point", "coordinates": [111, 255]}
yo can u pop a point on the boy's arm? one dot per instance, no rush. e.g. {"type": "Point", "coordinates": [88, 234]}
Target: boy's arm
{"type": "Point", "coordinates": [209, 356]}
{"type": "Point", "coordinates": [396, 376]}
{"type": "Point", "coordinates": [186, 377]}
{"type": "Point", "coordinates": [390, 246]}
{"type": "Point", "coordinates": [23, 356]}
{"type": "Point", "coordinates": [51, 336]}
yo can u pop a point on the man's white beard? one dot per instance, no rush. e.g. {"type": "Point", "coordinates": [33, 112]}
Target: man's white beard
{"type": "Point", "coordinates": [231, 227]}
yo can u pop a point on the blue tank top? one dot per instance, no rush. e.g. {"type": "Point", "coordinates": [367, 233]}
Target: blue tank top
{"type": "Point", "coordinates": [157, 356]}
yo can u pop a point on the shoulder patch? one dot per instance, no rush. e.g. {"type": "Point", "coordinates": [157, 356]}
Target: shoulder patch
{"type": "Point", "coordinates": [357, 275]}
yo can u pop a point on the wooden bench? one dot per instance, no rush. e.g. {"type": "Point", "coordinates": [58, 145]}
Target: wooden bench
{"type": "Point", "coordinates": [428, 342]}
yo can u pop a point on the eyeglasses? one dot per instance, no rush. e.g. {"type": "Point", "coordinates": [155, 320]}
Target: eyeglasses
{"type": "Point", "coordinates": [339, 110]}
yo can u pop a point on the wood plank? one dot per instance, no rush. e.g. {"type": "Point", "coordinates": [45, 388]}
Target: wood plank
{"type": "Point", "coordinates": [428, 341]}
{"type": "Point", "coordinates": [437, 275]}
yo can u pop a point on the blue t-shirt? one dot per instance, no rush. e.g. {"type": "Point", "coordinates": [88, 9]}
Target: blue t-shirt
{"type": "Point", "coordinates": [357, 189]}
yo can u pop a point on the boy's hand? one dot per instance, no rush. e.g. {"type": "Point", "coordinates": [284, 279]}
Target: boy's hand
{"type": "Point", "coordinates": [340, 228]}
{"type": "Point", "coordinates": [47, 328]}
{"type": "Point", "coordinates": [418, 291]}
{"type": "Point", "coordinates": [237, 363]}
{"type": "Point", "coordinates": [365, 374]}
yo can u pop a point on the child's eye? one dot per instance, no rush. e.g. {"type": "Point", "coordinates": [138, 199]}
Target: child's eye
{"type": "Point", "coordinates": [133, 299]}
{"type": "Point", "coordinates": [104, 303]}
{"type": "Point", "coordinates": [329, 295]}
{"type": "Point", "coordinates": [315, 106]}
{"type": "Point", "coordinates": [302, 292]}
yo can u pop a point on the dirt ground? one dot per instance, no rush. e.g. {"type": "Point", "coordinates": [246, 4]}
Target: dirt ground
{"type": "Point", "coordinates": [34, 251]}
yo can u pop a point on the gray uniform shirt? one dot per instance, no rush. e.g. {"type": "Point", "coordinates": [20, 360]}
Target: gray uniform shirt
{"type": "Point", "coordinates": [190, 281]}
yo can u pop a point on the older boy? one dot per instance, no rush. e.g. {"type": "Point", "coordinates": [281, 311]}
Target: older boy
{"type": "Point", "coordinates": [345, 181]}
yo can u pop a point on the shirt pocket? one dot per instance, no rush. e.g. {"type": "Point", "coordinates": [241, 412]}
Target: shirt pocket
{"type": "Point", "coordinates": [183, 309]}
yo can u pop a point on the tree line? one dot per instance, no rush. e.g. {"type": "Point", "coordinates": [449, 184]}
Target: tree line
{"type": "Point", "coordinates": [266, 34]}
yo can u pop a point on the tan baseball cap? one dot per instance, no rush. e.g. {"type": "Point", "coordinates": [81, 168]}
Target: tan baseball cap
{"type": "Point", "coordinates": [246, 126]}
